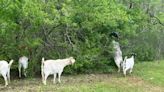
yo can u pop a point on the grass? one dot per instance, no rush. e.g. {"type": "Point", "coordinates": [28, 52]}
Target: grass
{"type": "Point", "coordinates": [152, 72]}
{"type": "Point", "coordinates": [147, 77]}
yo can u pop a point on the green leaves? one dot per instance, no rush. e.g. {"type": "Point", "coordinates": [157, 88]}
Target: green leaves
{"type": "Point", "coordinates": [80, 28]}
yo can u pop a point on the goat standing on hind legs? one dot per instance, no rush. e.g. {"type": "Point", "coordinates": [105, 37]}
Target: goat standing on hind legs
{"type": "Point", "coordinates": [117, 51]}
{"type": "Point", "coordinates": [5, 70]}
{"type": "Point", "coordinates": [23, 62]}
{"type": "Point", "coordinates": [117, 55]}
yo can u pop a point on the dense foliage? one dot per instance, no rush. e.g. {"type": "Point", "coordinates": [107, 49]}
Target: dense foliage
{"type": "Point", "coordinates": [80, 28]}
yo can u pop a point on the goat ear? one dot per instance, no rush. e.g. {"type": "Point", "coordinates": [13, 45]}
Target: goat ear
{"type": "Point", "coordinates": [70, 61]}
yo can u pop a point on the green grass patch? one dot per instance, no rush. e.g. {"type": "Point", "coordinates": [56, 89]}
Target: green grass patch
{"type": "Point", "coordinates": [151, 71]}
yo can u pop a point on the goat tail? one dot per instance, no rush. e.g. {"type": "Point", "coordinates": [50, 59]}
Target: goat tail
{"type": "Point", "coordinates": [125, 58]}
{"type": "Point", "coordinates": [42, 63]}
{"type": "Point", "coordinates": [42, 72]}
{"type": "Point", "coordinates": [42, 59]}
{"type": "Point", "coordinates": [10, 63]}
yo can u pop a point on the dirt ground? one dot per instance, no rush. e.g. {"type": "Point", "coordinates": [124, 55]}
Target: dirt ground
{"type": "Point", "coordinates": [83, 83]}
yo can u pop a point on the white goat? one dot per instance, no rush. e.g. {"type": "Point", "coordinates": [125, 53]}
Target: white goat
{"type": "Point", "coordinates": [23, 62]}
{"type": "Point", "coordinates": [128, 64]}
{"type": "Point", "coordinates": [117, 55]}
{"type": "Point", "coordinates": [54, 67]}
{"type": "Point", "coordinates": [5, 70]}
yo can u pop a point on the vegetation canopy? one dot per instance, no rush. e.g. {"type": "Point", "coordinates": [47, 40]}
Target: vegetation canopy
{"type": "Point", "coordinates": [80, 28]}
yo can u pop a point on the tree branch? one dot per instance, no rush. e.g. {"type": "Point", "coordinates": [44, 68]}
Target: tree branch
{"type": "Point", "coordinates": [53, 28]}
{"type": "Point", "coordinates": [159, 21]}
